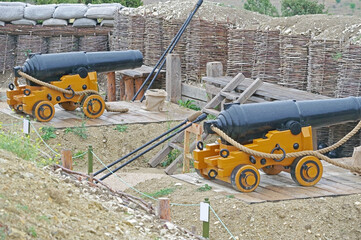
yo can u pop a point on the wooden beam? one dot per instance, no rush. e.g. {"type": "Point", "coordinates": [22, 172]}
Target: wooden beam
{"type": "Point", "coordinates": [138, 83]}
{"type": "Point", "coordinates": [214, 69]}
{"type": "Point", "coordinates": [249, 91]}
{"type": "Point", "coordinates": [111, 86]}
{"type": "Point", "coordinates": [174, 78]}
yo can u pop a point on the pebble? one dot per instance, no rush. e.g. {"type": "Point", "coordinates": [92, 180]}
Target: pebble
{"type": "Point", "coordinates": [163, 232]}
{"type": "Point", "coordinates": [178, 184]}
{"type": "Point", "coordinates": [170, 225]}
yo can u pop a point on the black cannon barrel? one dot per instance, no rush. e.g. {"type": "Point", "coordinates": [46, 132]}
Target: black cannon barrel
{"type": "Point", "coordinates": [51, 67]}
{"type": "Point", "coordinates": [249, 121]}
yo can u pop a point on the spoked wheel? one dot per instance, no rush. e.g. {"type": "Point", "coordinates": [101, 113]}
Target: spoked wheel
{"type": "Point", "coordinates": [306, 171]}
{"type": "Point", "coordinates": [272, 170]}
{"type": "Point", "coordinates": [245, 178]}
{"type": "Point", "coordinates": [43, 111]}
{"type": "Point", "coordinates": [93, 106]}
{"type": "Point", "coordinates": [68, 106]}
{"type": "Point", "coordinates": [205, 176]}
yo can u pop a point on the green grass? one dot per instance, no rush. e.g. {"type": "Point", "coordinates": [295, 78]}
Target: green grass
{"type": "Point", "coordinates": [2, 233]}
{"type": "Point", "coordinates": [22, 207]}
{"type": "Point", "coordinates": [80, 131]}
{"type": "Point", "coordinates": [20, 145]}
{"type": "Point", "coordinates": [189, 104]}
{"type": "Point", "coordinates": [171, 157]}
{"type": "Point", "coordinates": [204, 188]}
{"type": "Point", "coordinates": [162, 192]}
{"type": "Point", "coordinates": [44, 218]}
{"type": "Point", "coordinates": [48, 133]}
{"type": "Point", "coordinates": [121, 128]}
{"type": "Point", "coordinates": [32, 231]}
{"type": "Point", "coordinates": [230, 196]}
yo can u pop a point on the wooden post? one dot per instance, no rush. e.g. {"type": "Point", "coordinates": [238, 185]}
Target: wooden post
{"type": "Point", "coordinates": [129, 88]}
{"type": "Point", "coordinates": [206, 224]}
{"type": "Point", "coordinates": [138, 83]}
{"type": "Point", "coordinates": [214, 69]}
{"type": "Point", "coordinates": [111, 86]}
{"type": "Point", "coordinates": [121, 88]}
{"type": "Point", "coordinates": [90, 159]}
{"type": "Point", "coordinates": [173, 78]}
{"type": "Point", "coordinates": [66, 159]}
{"type": "Point", "coordinates": [164, 209]}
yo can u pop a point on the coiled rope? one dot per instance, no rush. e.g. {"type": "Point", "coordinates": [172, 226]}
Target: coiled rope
{"type": "Point", "coordinates": [317, 153]}
{"type": "Point", "coordinates": [84, 92]}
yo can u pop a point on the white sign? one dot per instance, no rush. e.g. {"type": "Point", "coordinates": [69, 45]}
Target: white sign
{"type": "Point", "coordinates": [204, 212]}
{"type": "Point", "coordinates": [26, 126]}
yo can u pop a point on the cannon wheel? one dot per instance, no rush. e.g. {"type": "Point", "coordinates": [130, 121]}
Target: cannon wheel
{"type": "Point", "coordinates": [201, 174]}
{"type": "Point", "coordinates": [43, 111]}
{"type": "Point", "coordinates": [93, 106]}
{"type": "Point", "coordinates": [306, 171]}
{"type": "Point", "coordinates": [245, 178]}
{"type": "Point", "coordinates": [68, 106]}
{"type": "Point", "coordinates": [272, 170]}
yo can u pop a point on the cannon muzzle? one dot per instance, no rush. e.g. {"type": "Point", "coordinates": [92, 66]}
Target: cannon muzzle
{"type": "Point", "coordinates": [51, 67]}
{"type": "Point", "coordinates": [249, 121]}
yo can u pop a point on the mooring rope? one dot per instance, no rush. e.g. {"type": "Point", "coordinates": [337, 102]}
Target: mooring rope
{"type": "Point", "coordinates": [55, 88]}
{"type": "Point", "coordinates": [317, 153]}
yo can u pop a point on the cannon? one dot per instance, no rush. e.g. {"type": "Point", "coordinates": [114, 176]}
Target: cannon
{"type": "Point", "coordinates": [278, 127]}
{"type": "Point", "coordinates": [75, 72]}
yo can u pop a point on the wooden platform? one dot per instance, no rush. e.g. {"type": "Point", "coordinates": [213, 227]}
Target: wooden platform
{"type": "Point", "coordinates": [335, 182]}
{"type": "Point", "coordinates": [136, 114]}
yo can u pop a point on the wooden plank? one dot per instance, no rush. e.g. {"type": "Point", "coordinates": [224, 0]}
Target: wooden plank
{"type": "Point", "coordinates": [213, 90]}
{"type": "Point", "coordinates": [176, 146]}
{"type": "Point", "coordinates": [211, 111]}
{"type": "Point", "coordinates": [194, 92]}
{"type": "Point", "coordinates": [197, 102]}
{"type": "Point", "coordinates": [249, 91]}
{"type": "Point", "coordinates": [158, 158]}
{"type": "Point", "coordinates": [173, 78]}
{"type": "Point", "coordinates": [173, 166]}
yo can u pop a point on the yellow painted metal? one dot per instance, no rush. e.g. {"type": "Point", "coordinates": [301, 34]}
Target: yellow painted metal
{"type": "Point", "coordinates": [307, 171]}
{"type": "Point", "coordinates": [19, 101]}
{"type": "Point", "coordinates": [210, 159]}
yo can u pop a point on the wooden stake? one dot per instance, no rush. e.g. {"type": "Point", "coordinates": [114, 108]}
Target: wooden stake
{"type": "Point", "coordinates": [111, 87]}
{"type": "Point", "coordinates": [129, 88]}
{"type": "Point", "coordinates": [138, 83]}
{"type": "Point", "coordinates": [121, 89]}
{"type": "Point", "coordinates": [66, 159]}
{"type": "Point", "coordinates": [164, 209]}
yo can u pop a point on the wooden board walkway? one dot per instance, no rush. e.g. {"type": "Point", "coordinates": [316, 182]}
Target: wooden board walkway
{"type": "Point", "coordinates": [335, 182]}
{"type": "Point", "coordinates": [64, 119]}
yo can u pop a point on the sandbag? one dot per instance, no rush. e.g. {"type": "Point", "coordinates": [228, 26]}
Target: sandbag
{"type": "Point", "coordinates": [154, 100]}
{"type": "Point", "coordinates": [84, 22]}
{"type": "Point", "coordinates": [13, 4]}
{"type": "Point", "coordinates": [107, 23]}
{"type": "Point", "coordinates": [70, 11]}
{"type": "Point", "coordinates": [118, 5]}
{"type": "Point", "coordinates": [2, 23]}
{"type": "Point", "coordinates": [39, 12]}
{"type": "Point", "coordinates": [101, 12]}
{"type": "Point", "coordinates": [11, 13]}
{"type": "Point", "coordinates": [24, 22]}
{"type": "Point", "coordinates": [55, 22]}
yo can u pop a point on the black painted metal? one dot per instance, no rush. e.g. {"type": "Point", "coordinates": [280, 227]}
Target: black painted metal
{"type": "Point", "coordinates": [249, 121]}
{"type": "Point", "coordinates": [141, 147]}
{"type": "Point", "coordinates": [168, 50]}
{"type": "Point", "coordinates": [198, 119]}
{"type": "Point", "coordinates": [51, 67]}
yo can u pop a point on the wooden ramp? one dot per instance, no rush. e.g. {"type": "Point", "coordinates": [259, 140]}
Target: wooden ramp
{"type": "Point", "coordinates": [136, 114]}
{"type": "Point", "coordinates": [335, 182]}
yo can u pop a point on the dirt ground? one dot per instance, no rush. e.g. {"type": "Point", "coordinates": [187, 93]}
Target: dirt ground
{"type": "Point", "coordinates": [32, 199]}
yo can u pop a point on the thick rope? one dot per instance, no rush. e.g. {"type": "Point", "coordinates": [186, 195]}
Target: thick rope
{"type": "Point", "coordinates": [85, 92]}
{"type": "Point", "coordinates": [295, 154]}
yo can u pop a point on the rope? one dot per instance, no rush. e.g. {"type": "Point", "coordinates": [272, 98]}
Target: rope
{"type": "Point", "coordinates": [37, 133]}
{"type": "Point", "coordinates": [219, 219]}
{"type": "Point", "coordinates": [295, 154]}
{"type": "Point", "coordinates": [55, 88]}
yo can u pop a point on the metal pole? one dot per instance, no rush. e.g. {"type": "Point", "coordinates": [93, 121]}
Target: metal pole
{"type": "Point", "coordinates": [206, 224]}
{"type": "Point", "coordinates": [200, 118]}
{"type": "Point", "coordinates": [136, 150]}
{"type": "Point", "coordinates": [169, 49]}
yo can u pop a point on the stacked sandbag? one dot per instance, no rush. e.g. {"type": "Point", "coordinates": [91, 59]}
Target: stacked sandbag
{"type": "Point", "coordinates": [70, 11]}
{"type": "Point", "coordinates": [7, 52]}
{"type": "Point", "coordinates": [11, 11]}
{"type": "Point", "coordinates": [39, 12]}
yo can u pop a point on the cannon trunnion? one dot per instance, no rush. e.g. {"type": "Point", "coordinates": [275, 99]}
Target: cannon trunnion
{"type": "Point", "coordinates": [277, 127]}
{"type": "Point", "coordinates": [75, 72]}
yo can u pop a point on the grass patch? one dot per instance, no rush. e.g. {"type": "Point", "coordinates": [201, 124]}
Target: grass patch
{"type": "Point", "coordinates": [22, 207]}
{"type": "Point", "coordinates": [230, 196]}
{"type": "Point", "coordinates": [121, 128]}
{"type": "Point", "coordinates": [32, 231]}
{"type": "Point", "coordinates": [171, 157]}
{"type": "Point", "coordinates": [204, 188]}
{"type": "Point", "coordinates": [80, 131]}
{"type": "Point", "coordinates": [48, 133]}
{"type": "Point", "coordinates": [44, 218]}
{"type": "Point", "coordinates": [162, 192]}
{"type": "Point", "coordinates": [189, 104]}
{"type": "Point", "coordinates": [18, 144]}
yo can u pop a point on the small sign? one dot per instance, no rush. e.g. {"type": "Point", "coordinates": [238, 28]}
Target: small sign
{"type": "Point", "coordinates": [26, 126]}
{"type": "Point", "coordinates": [204, 212]}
